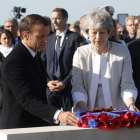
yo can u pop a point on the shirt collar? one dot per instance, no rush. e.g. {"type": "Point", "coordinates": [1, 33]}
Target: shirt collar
{"type": "Point", "coordinates": [131, 37]}
{"type": "Point", "coordinates": [85, 35]}
{"type": "Point", "coordinates": [30, 50]}
{"type": "Point", "coordinates": [62, 34]}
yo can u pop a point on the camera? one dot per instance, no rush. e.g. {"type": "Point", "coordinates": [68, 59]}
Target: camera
{"type": "Point", "coordinates": [17, 11]}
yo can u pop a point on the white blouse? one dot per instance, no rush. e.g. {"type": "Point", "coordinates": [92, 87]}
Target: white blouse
{"type": "Point", "coordinates": [103, 97]}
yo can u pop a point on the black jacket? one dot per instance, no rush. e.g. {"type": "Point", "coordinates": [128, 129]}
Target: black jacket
{"type": "Point", "coordinates": [134, 48]}
{"type": "Point", "coordinates": [24, 92]}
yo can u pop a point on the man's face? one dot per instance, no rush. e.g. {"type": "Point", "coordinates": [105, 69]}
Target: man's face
{"type": "Point", "coordinates": [81, 23]}
{"type": "Point", "coordinates": [37, 40]}
{"type": "Point", "coordinates": [58, 21]}
{"type": "Point", "coordinates": [11, 27]}
{"type": "Point", "coordinates": [131, 28]}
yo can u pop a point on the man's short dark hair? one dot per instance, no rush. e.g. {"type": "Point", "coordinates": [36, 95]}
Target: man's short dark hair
{"type": "Point", "coordinates": [49, 20]}
{"type": "Point", "coordinates": [63, 12]}
{"type": "Point", "coordinates": [27, 23]}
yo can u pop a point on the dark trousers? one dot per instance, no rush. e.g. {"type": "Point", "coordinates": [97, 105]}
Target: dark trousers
{"type": "Point", "coordinates": [60, 100]}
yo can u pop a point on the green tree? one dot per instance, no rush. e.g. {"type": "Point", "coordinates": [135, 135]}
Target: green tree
{"type": "Point", "coordinates": [77, 22]}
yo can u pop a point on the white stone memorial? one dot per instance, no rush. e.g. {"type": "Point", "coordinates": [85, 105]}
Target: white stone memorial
{"type": "Point", "coordinates": [69, 133]}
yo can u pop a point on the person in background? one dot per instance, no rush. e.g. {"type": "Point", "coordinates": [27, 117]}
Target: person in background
{"type": "Point", "coordinates": [12, 25]}
{"type": "Point", "coordinates": [138, 28]}
{"type": "Point", "coordinates": [81, 23]}
{"type": "Point", "coordinates": [6, 45]}
{"type": "Point", "coordinates": [122, 32]}
{"type": "Point", "coordinates": [57, 59]}
{"type": "Point", "coordinates": [74, 28]}
{"type": "Point", "coordinates": [1, 27]}
{"type": "Point", "coordinates": [84, 35]}
{"type": "Point", "coordinates": [131, 28]}
{"type": "Point", "coordinates": [118, 24]}
{"type": "Point", "coordinates": [109, 9]}
{"type": "Point", "coordinates": [136, 21]}
{"type": "Point", "coordinates": [50, 24]}
{"type": "Point", "coordinates": [102, 72]}
{"type": "Point", "coordinates": [134, 48]}
{"type": "Point", "coordinates": [113, 35]}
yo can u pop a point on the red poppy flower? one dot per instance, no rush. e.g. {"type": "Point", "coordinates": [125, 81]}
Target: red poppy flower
{"type": "Point", "coordinates": [79, 124]}
{"type": "Point", "coordinates": [101, 125]}
{"type": "Point", "coordinates": [131, 123]}
{"type": "Point", "coordinates": [125, 121]}
{"type": "Point", "coordinates": [105, 117]}
{"type": "Point", "coordinates": [117, 123]}
{"type": "Point", "coordinates": [129, 115]}
{"type": "Point", "coordinates": [137, 121]}
{"type": "Point", "coordinates": [85, 123]}
{"type": "Point", "coordinates": [110, 124]}
{"type": "Point", "coordinates": [84, 117]}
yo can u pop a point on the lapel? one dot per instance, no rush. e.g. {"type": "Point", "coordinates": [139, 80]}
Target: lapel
{"type": "Point", "coordinates": [29, 59]}
{"type": "Point", "coordinates": [139, 41]}
{"type": "Point", "coordinates": [66, 38]}
{"type": "Point", "coordinates": [51, 53]}
{"type": "Point", "coordinates": [43, 73]}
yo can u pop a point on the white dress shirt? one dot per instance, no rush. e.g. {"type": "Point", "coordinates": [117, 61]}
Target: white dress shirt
{"type": "Point", "coordinates": [62, 38]}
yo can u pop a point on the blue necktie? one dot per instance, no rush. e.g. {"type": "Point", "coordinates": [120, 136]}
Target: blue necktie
{"type": "Point", "coordinates": [58, 49]}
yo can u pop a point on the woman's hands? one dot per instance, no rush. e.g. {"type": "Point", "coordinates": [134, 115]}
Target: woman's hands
{"type": "Point", "coordinates": [132, 107]}
{"type": "Point", "coordinates": [130, 104]}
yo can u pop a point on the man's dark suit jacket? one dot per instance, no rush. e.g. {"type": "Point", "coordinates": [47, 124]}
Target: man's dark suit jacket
{"type": "Point", "coordinates": [134, 48]}
{"type": "Point", "coordinates": [84, 41]}
{"type": "Point", "coordinates": [128, 39]}
{"type": "Point", "coordinates": [24, 92]}
{"type": "Point", "coordinates": [69, 45]}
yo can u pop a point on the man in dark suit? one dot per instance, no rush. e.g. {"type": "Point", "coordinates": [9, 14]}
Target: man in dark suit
{"type": "Point", "coordinates": [84, 35]}
{"type": "Point", "coordinates": [57, 59]}
{"type": "Point", "coordinates": [134, 48]}
{"type": "Point", "coordinates": [131, 28]}
{"type": "Point", "coordinates": [24, 81]}
{"type": "Point", "coordinates": [12, 25]}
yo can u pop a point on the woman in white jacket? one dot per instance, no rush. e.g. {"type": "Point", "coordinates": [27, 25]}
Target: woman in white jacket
{"type": "Point", "coordinates": [102, 72]}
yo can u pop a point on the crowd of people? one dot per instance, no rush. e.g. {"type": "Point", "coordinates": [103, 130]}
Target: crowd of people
{"type": "Point", "coordinates": [47, 74]}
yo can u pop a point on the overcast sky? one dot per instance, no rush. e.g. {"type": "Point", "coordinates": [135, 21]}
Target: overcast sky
{"type": "Point", "coordinates": [75, 8]}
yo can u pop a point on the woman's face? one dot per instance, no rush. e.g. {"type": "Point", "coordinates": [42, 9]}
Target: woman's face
{"type": "Point", "coordinates": [113, 32]}
{"type": "Point", "coordinates": [6, 40]}
{"type": "Point", "coordinates": [122, 32]}
{"type": "Point", "coordinates": [98, 37]}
